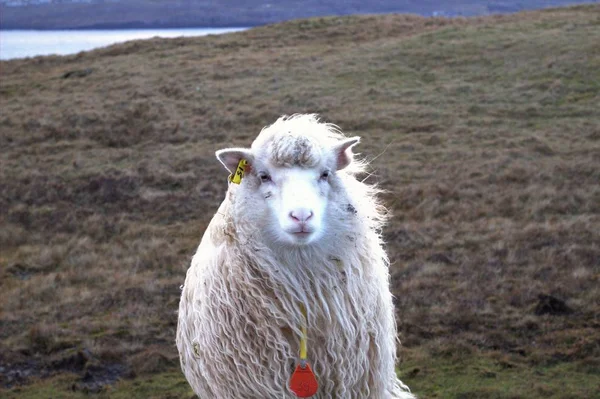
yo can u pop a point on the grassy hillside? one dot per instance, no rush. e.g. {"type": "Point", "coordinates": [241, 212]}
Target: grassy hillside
{"type": "Point", "coordinates": [485, 132]}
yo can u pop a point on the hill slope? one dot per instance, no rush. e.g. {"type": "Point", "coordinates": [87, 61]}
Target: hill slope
{"type": "Point", "coordinates": [484, 131]}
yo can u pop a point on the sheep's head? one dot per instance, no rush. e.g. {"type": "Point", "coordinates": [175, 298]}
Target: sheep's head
{"type": "Point", "coordinates": [291, 176]}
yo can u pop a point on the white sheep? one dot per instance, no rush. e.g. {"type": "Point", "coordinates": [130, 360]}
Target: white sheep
{"type": "Point", "coordinates": [295, 245]}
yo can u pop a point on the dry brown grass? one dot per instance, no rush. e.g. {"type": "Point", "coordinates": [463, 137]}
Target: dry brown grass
{"type": "Point", "coordinates": [485, 132]}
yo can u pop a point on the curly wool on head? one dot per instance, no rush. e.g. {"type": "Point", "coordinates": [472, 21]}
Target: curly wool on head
{"type": "Point", "coordinates": [241, 309]}
{"type": "Point", "coordinates": [299, 139]}
{"type": "Point", "coordinates": [288, 150]}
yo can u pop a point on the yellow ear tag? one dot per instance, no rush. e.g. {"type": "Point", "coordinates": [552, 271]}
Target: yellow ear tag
{"type": "Point", "coordinates": [239, 172]}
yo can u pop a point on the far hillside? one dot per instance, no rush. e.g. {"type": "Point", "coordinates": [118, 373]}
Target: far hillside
{"type": "Point", "coordinates": [126, 14]}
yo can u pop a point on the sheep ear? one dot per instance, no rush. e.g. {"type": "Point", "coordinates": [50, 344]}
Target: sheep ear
{"type": "Point", "coordinates": [343, 152]}
{"type": "Point", "coordinates": [230, 157]}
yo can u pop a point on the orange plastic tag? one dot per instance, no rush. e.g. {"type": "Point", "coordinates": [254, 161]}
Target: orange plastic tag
{"type": "Point", "coordinates": [303, 382]}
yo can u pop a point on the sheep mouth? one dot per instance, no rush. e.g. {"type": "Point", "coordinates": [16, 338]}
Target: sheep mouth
{"type": "Point", "coordinates": [303, 234]}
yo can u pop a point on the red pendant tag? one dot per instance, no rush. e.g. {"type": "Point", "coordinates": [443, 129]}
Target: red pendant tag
{"type": "Point", "coordinates": [303, 382]}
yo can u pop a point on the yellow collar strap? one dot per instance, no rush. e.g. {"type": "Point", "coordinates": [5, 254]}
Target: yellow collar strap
{"type": "Point", "coordinates": [239, 172]}
{"type": "Point", "coordinates": [303, 338]}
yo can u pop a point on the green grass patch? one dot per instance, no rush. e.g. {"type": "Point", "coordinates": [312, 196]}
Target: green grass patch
{"type": "Point", "coordinates": [167, 385]}
{"type": "Point", "coordinates": [489, 376]}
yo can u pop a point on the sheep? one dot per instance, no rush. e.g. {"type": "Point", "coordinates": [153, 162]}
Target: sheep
{"type": "Point", "coordinates": [294, 248]}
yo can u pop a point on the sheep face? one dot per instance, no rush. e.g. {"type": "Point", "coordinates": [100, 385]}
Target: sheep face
{"type": "Point", "coordinates": [295, 199]}
{"type": "Point", "coordinates": [291, 176]}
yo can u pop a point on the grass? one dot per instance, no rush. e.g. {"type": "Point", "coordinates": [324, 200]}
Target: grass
{"type": "Point", "coordinates": [496, 376]}
{"type": "Point", "coordinates": [484, 132]}
{"type": "Point", "coordinates": [165, 385]}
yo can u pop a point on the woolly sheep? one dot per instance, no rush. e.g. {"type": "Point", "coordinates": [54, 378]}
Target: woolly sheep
{"type": "Point", "coordinates": [300, 236]}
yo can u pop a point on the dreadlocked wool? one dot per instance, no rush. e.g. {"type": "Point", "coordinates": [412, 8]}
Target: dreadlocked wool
{"type": "Point", "coordinates": [240, 314]}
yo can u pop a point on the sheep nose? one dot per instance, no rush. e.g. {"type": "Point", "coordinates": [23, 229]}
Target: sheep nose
{"type": "Point", "coordinates": [301, 215]}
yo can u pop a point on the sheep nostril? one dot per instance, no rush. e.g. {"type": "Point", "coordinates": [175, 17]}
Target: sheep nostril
{"type": "Point", "coordinates": [301, 215]}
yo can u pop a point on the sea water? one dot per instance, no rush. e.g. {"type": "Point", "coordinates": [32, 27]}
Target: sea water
{"type": "Point", "coordinates": [31, 43]}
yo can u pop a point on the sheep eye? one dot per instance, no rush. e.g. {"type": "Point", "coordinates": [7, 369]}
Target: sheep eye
{"type": "Point", "coordinates": [325, 175]}
{"type": "Point", "coordinates": [264, 177]}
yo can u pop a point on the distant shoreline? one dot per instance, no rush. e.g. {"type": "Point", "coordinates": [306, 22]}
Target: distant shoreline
{"type": "Point", "coordinates": [145, 27]}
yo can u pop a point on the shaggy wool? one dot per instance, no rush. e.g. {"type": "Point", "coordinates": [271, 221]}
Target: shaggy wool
{"type": "Point", "coordinates": [240, 314]}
